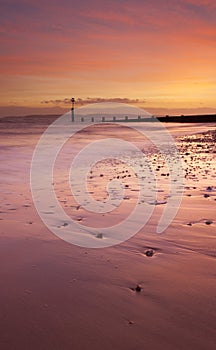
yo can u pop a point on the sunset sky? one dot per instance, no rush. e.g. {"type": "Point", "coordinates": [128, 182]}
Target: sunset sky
{"type": "Point", "coordinates": [159, 54]}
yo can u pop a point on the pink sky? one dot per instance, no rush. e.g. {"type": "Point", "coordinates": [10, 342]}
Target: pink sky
{"type": "Point", "coordinates": [160, 52]}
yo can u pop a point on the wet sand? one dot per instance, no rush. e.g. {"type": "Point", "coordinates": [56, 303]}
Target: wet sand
{"type": "Point", "coordinates": [153, 291]}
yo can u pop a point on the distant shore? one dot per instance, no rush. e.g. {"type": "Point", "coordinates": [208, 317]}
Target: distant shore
{"type": "Point", "coordinates": [193, 118]}
{"type": "Point", "coordinates": [202, 118]}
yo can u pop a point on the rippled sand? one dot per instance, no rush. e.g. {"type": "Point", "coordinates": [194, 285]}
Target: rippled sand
{"type": "Point", "coordinates": [153, 291]}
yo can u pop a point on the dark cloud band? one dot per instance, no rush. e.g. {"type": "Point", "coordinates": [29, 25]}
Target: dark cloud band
{"type": "Point", "coordinates": [82, 101]}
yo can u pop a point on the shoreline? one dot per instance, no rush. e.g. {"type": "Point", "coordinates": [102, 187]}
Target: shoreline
{"type": "Point", "coordinates": [190, 118]}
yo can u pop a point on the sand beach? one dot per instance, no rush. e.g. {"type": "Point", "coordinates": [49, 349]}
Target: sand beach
{"type": "Point", "coordinates": [153, 291]}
